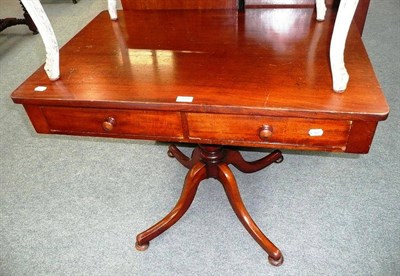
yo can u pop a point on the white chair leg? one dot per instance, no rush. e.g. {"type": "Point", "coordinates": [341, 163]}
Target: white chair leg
{"type": "Point", "coordinates": [321, 9]}
{"type": "Point", "coordinates": [35, 10]}
{"type": "Point", "coordinates": [112, 9]}
{"type": "Point", "coordinates": [347, 9]}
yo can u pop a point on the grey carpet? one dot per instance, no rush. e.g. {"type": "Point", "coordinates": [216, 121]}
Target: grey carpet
{"type": "Point", "coordinates": [72, 205]}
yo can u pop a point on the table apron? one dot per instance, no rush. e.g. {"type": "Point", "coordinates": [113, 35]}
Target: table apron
{"type": "Point", "coordinates": [333, 135]}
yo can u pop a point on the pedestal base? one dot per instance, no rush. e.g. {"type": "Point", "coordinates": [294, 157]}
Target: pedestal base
{"type": "Point", "coordinates": [212, 161]}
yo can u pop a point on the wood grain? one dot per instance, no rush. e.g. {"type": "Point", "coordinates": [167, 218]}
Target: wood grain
{"type": "Point", "coordinates": [244, 69]}
{"type": "Point", "coordinates": [178, 4]}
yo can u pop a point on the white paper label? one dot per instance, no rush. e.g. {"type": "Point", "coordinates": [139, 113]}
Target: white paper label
{"type": "Point", "coordinates": [40, 88]}
{"type": "Point", "coordinates": [316, 132]}
{"type": "Point", "coordinates": [184, 99]}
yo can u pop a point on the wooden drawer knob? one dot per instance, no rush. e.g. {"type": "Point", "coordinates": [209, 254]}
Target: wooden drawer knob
{"type": "Point", "coordinates": [265, 132]}
{"type": "Point", "coordinates": [109, 123]}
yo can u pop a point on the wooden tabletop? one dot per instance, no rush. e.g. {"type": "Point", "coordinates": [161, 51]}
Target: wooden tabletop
{"type": "Point", "coordinates": [266, 61]}
{"type": "Point", "coordinates": [260, 78]}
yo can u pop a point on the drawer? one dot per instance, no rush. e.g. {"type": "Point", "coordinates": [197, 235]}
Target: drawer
{"type": "Point", "coordinates": [113, 122]}
{"type": "Point", "coordinates": [285, 131]}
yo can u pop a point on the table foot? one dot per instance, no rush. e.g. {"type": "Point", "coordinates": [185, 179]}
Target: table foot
{"type": "Point", "coordinates": [212, 162]}
{"type": "Point", "coordinates": [142, 247]}
{"type": "Point", "coordinates": [275, 262]}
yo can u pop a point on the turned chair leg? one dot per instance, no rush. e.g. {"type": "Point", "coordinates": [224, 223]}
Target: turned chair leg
{"type": "Point", "coordinates": [344, 17]}
{"type": "Point", "coordinates": [345, 14]}
{"type": "Point", "coordinates": [112, 9]}
{"type": "Point", "coordinates": [39, 17]}
{"type": "Point", "coordinates": [321, 9]}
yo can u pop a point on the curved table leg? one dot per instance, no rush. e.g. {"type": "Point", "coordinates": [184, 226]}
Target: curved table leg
{"type": "Point", "coordinates": [39, 17]}
{"type": "Point", "coordinates": [236, 159]}
{"type": "Point", "coordinates": [173, 151]}
{"type": "Point", "coordinates": [210, 161]}
{"type": "Point", "coordinates": [192, 181]}
{"type": "Point", "coordinates": [345, 14]}
{"type": "Point", "coordinates": [232, 191]}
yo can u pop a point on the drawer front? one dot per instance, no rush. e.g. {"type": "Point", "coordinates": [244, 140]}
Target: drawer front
{"type": "Point", "coordinates": [114, 122]}
{"type": "Point", "coordinates": [285, 131]}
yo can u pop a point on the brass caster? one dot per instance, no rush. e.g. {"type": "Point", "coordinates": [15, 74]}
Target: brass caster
{"type": "Point", "coordinates": [142, 247]}
{"type": "Point", "coordinates": [170, 154]}
{"type": "Point", "coordinates": [275, 262]}
{"type": "Point", "coordinates": [279, 160]}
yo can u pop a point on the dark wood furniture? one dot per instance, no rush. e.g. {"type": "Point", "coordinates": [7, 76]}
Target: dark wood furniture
{"type": "Point", "coordinates": [178, 4]}
{"type": "Point", "coordinates": [359, 17]}
{"type": "Point", "coordinates": [27, 20]}
{"type": "Point", "coordinates": [216, 78]}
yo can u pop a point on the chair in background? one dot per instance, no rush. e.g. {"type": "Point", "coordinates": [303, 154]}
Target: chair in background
{"type": "Point", "coordinates": [27, 20]}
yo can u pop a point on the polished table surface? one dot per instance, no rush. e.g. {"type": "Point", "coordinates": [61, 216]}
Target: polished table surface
{"type": "Point", "coordinates": [267, 67]}
{"type": "Point", "coordinates": [214, 78]}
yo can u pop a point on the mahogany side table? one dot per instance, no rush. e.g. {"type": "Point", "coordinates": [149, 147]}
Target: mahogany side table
{"type": "Point", "coordinates": [215, 78]}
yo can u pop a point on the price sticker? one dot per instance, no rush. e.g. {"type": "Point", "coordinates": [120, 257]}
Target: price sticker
{"type": "Point", "coordinates": [316, 132]}
{"type": "Point", "coordinates": [184, 99]}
